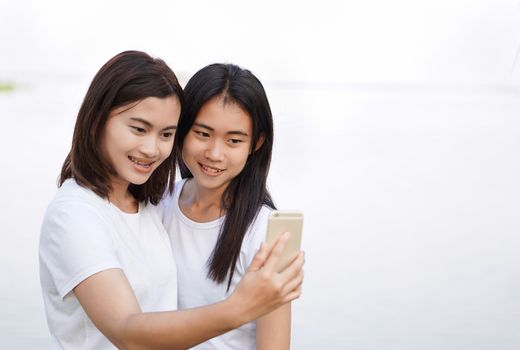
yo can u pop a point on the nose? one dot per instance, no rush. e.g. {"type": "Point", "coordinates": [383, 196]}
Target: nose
{"type": "Point", "coordinates": [150, 147]}
{"type": "Point", "coordinates": [214, 151]}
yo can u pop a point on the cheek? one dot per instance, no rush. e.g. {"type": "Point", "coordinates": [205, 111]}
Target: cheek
{"type": "Point", "coordinates": [166, 149]}
{"type": "Point", "coordinates": [240, 156]}
{"type": "Point", "coordinates": [118, 140]}
{"type": "Point", "coordinates": [188, 156]}
{"type": "Point", "coordinates": [191, 153]}
{"type": "Point", "coordinates": [110, 146]}
{"type": "Point", "coordinates": [191, 147]}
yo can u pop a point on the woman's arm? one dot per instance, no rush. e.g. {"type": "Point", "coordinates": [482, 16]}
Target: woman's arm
{"type": "Point", "coordinates": [109, 301]}
{"type": "Point", "coordinates": [273, 331]}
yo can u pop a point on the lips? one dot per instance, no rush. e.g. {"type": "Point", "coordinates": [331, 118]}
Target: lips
{"type": "Point", "coordinates": [210, 170]}
{"type": "Point", "coordinates": [140, 162]}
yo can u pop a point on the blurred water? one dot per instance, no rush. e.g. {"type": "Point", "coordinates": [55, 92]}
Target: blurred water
{"type": "Point", "coordinates": [411, 201]}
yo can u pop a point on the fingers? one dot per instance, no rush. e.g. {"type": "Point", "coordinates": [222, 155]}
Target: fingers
{"type": "Point", "coordinates": [294, 284]}
{"type": "Point", "coordinates": [293, 278]}
{"type": "Point", "coordinates": [259, 259]}
{"type": "Point", "coordinates": [295, 294]}
{"type": "Point", "coordinates": [276, 252]}
{"type": "Point", "coordinates": [294, 268]}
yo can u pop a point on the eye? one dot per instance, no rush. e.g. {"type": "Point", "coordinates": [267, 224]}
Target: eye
{"type": "Point", "coordinates": [138, 130]}
{"type": "Point", "coordinates": [201, 133]}
{"type": "Point", "coordinates": [235, 141]}
{"type": "Point", "coordinates": [167, 135]}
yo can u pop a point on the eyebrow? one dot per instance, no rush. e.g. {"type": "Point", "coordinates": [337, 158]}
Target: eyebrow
{"type": "Point", "coordinates": [148, 124]}
{"type": "Point", "coordinates": [232, 132]}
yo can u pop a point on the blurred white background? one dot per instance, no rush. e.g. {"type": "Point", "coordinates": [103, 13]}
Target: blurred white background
{"type": "Point", "coordinates": [397, 133]}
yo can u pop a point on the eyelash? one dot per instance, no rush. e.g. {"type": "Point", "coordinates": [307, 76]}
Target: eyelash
{"type": "Point", "coordinates": [206, 135]}
{"type": "Point", "coordinates": [201, 133]}
{"type": "Point", "coordinates": [138, 129]}
{"type": "Point", "coordinates": [167, 135]}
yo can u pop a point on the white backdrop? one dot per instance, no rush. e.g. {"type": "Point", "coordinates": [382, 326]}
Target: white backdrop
{"type": "Point", "coordinates": [397, 133]}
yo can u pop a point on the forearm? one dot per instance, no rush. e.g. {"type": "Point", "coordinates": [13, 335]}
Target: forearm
{"type": "Point", "coordinates": [180, 329]}
{"type": "Point", "coordinates": [273, 331]}
{"type": "Point", "coordinates": [111, 304]}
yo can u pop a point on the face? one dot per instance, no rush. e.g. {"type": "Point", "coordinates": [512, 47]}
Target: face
{"type": "Point", "coordinates": [139, 137]}
{"type": "Point", "coordinates": [218, 144]}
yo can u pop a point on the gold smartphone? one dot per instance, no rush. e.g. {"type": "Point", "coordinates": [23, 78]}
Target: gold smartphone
{"type": "Point", "coordinates": [280, 222]}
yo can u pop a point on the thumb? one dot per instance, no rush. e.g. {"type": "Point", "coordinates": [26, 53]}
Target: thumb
{"type": "Point", "coordinates": [259, 259]}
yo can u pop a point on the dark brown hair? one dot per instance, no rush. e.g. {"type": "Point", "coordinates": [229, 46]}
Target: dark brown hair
{"type": "Point", "coordinates": [247, 192]}
{"type": "Point", "coordinates": [128, 77]}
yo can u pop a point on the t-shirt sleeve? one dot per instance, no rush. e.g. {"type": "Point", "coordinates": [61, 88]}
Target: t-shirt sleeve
{"type": "Point", "coordinates": [76, 242]}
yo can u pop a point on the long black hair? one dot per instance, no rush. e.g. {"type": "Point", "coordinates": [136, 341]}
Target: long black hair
{"type": "Point", "coordinates": [127, 77]}
{"type": "Point", "coordinates": [247, 192]}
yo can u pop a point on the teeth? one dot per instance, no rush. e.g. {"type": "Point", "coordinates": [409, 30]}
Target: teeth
{"type": "Point", "coordinates": [140, 163]}
{"type": "Point", "coordinates": [210, 169]}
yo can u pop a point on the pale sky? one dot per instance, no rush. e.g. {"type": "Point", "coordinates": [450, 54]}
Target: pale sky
{"type": "Point", "coordinates": [410, 41]}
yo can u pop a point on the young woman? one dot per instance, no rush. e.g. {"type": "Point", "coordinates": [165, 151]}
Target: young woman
{"type": "Point", "coordinates": [217, 216]}
{"type": "Point", "coordinates": [107, 271]}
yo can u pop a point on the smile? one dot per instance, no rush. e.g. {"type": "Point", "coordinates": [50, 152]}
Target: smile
{"type": "Point", "coordinates": [210, 170]}
{"type": "Point", "coordinates": [140, 162]}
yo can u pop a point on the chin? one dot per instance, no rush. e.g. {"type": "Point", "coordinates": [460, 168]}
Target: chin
{"type": "Point", "coordinates": [138, 180]}
{"type": "Point", "coordinates": [213, 185]}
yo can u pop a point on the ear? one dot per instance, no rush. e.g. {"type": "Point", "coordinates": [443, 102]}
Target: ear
{"type": "Point", "coordinates": [259, 143]}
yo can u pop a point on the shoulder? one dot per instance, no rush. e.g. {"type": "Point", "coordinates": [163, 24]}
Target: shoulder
{"type": "Point", "coordinates": [72, 200]}
{"type": "Point", "coordinates": [169, 200]}
{"type": "Point", "coordinates": [76, 237]}
{"type": "Point", "coordinates": [170, 197]}
{"type": "Point", "coordinates": [263, 213]}
{"type": "Point", "coordinates": [71, 194]}
{"type": "Point", "coordinates": [74, 209]}
{"type": "Point", "coordinates": [258, 228]}
{"type": "Point", "coordinates": [254, 237]}
{"type": "Point", "coordinates": [263, 216]}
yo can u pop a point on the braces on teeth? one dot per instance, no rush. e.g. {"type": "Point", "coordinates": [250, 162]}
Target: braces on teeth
{"type": "Point", "coordinates": [139, 163]}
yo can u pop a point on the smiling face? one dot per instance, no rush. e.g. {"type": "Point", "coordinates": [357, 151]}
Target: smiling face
{"type": "Point", "coordinates": [138, 137]}
{"type": "Point", "coordinates": [218, 144]}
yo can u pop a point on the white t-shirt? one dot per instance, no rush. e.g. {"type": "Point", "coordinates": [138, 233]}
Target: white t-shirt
{"type": "Point", "coordinates": [83, 234]}
{"type": "Point", "coordinates": [192, 243]}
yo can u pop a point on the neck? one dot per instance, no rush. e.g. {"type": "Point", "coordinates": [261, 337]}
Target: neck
{"type": "Point", "coordinates": [201, 204]}
{"type": "Point", "coordinates": [121, 197]}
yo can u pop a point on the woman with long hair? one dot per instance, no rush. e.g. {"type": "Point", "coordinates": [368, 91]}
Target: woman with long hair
{"type": "Point", "coordinates": [217, 215]}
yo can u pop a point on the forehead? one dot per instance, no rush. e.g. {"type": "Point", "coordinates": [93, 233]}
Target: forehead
{"type": "Point", "coordinates": [154, 110]}
{"type": "Point", "coordinates": [219, 113]}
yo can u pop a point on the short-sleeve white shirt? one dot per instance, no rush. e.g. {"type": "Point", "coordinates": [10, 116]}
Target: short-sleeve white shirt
{"type": "Point", "coordinates": [192, 243]}
{"type": "Point", "coordinates": [83, 234]}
